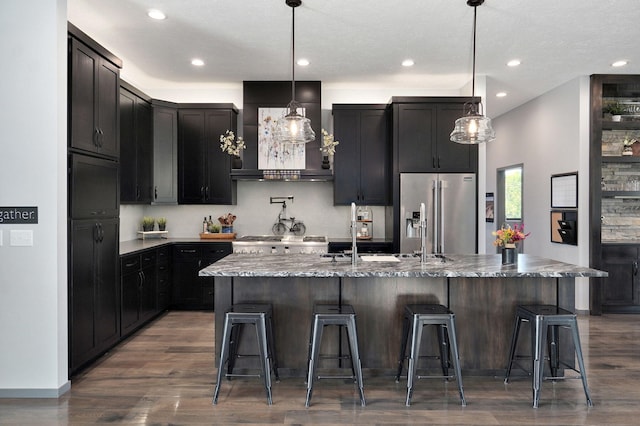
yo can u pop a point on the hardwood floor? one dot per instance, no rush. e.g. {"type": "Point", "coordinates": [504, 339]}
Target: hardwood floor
{"type": "Point", "coordinates": [165, 375]}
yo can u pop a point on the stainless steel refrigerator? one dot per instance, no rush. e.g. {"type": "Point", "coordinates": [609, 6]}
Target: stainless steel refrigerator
{"type": "Point", "coordinates": [450, 212]}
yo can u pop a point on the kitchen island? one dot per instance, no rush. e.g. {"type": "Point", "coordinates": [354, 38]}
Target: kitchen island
{"type": "Point", "coordinates": [481, 291]}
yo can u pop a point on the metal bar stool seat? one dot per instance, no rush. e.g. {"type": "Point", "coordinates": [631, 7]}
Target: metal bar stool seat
{"type": "Point", "coordinates": [415, 318]}
{"type": "Point", "coordinates": [545, 320]}
{"type": "Point", "coordinates": [261, 316]}
{"type": "Point", "coordinates": [343, 316]}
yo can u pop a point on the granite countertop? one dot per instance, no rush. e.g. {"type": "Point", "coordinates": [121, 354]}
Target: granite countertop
{"type": "Point", "coordinates": [133, 246]}
{"type": "Point", "coordinates": [455, 265]}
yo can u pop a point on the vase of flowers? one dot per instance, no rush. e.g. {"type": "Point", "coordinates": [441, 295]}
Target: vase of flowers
{"type": "Point", "coordinates": [232, 146]}
{"type": "Point", "coordinates": [328, 148]}
{"type": "Point", "coordinates": [508, 238]}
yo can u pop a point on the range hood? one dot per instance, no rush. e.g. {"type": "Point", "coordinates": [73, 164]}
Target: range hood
{"type": "Point", "coordinates": [307, 175]}
{"type": "Point", "coordinates": [261, 95]}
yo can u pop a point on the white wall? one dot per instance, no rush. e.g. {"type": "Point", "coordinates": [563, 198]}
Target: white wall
{"type": "Point", "coordinates": [548, 135]}
{"type": "Point", "coordinates": [33, 279]}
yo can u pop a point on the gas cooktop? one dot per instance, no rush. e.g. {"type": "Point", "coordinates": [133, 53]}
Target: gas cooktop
{"type": "Point", "coordinates": [280, 244]}
{"type": "Point", "coordinates": [283, 238]}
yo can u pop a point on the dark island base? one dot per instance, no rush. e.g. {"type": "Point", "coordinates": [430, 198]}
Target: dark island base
{"type": "Point", "coordinates": [484, 308]}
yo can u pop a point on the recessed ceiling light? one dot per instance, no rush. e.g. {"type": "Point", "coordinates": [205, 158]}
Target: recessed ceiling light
{"type": "Point", "coordinates": [156, 14]}
{"type": "Point", "coordinates": [619, 63]}
{"type": "Point", "coordinates": [408, 63]}
{"type": "Point", "coordinates": [501, 94]}
{"type": "Point", "coordinates": [303, 62]}
{"type": "Point", "coordinates": [197, 62]}
{"type": "Point", "coordinates": [513, 63]}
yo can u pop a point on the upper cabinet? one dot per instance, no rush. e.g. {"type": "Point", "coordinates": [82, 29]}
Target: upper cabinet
{"type": "Point", "coordinates": [362, 162]}
{"type": "Point", "coordinates": [136, 146]}
{"type": "Point", "coordinates": [94, 83]}
{"type": "Point", "coordinates": [203, 169]}
{"type": "Point", "coordinates": [421, 128]}
{"type": "Point", "coordinates": [165, 152]}
{"type": "Point", "coordinates": [615, 191]}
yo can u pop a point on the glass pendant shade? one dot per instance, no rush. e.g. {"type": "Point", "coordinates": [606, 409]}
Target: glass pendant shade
{"type": "Point", "coordinates": [294, 128]}
{"type": "Point", "coordinates": [473, 129]}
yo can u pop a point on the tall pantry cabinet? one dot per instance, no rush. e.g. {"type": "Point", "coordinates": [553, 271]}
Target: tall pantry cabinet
{"type": "Point", "coordinates": [93, 199]}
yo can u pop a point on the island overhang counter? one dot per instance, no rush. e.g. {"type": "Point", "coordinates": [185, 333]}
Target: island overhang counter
{"type": "Point", "coordinates": [481, 291]}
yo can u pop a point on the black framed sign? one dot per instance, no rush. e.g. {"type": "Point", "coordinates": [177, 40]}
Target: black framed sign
{"type": "Point", "coordinates": [564, 190]}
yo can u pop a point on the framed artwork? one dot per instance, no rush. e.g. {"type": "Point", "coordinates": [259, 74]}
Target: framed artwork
{"type": "Point", "coordinates": [489, 207]}
{"type": "Point", "coordinates": [564, 191]}
{"type": "Point", "coordinates": [274, 155]}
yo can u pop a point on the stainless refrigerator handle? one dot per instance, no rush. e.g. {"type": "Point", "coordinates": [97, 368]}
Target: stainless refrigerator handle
{"type": "Point", "coordinates": [442, 220]}
{"type": "Point", "coordinates": [436, 216]}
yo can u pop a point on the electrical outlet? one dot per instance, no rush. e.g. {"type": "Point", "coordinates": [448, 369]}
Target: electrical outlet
{"type": "Point", "coordinates": [21, 237]}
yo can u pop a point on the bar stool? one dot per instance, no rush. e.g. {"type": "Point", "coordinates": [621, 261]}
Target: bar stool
{"type": "Point", "coordinates": [415, 318]}
{"type": "Point", "coordinates": [343, 316]}
{"type": "Point", "coordinates": [545, 320]}
{"type": "Point", "coordinates": [261, 316]}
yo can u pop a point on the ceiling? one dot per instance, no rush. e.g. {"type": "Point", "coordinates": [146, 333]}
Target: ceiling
{"type": "Point", "coordinates": [361, 43]}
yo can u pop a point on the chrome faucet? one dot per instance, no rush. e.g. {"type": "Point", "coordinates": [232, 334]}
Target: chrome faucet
{"type": "Point", "coordinates": [354, 248]}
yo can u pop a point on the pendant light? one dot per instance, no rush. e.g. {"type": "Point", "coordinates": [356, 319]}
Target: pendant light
{"type": "Point", "coordinates": [294, 128]}
{"type": "Point", "coordinates": [473, 127]}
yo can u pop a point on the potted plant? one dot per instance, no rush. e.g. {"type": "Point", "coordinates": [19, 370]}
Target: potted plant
{"type": "Point", "coordinates": [615, 108]}
{"type": "Point", "coordinates": [213, 228]}
{"type": "Point", "coordinates": [328, 148]}
{"type": "Point", "coordinates": [162, 223]}
{"type": "Point", "coordinates": [232, 146]}
{"type": "Point", "coordinates": [148, 223]}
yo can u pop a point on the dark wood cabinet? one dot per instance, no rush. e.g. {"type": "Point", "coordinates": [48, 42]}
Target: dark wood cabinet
{"type": "Point", "coordinates": [93, 101]}
{"type": "Point", "coordinates": [363, 246]}
{"type": "Point", "coordinates": [361, 170]}
{"type": "Point", "coordinates": [203, 169]}
{"type": "Point", "coordinates": [136, 147]}
{"type": "Point", "coordinates": [94, 315]}
{"type": "Point", "coordinates": [191, 291]}
{"type": "Point", "coordinates": [421, 129]}
{"type": "Point", "coordinates": [138, 281]}
{"type": "Point", "coordinates": [163, 291]}
{"type": "Point", "coordinates": [165, 152]}
{"type": "Point", "coordinates": [93, 187]}
{"type": "Point", "coordinates": [622, 288]}
{"type": "Point", "coordinates": [613, 195]}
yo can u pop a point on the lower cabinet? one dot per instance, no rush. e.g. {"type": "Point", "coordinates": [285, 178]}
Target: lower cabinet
{"type": "Point", "coordinates": [145, 287]}
{"type": "Point", "coordinates": [138, 278]}
{"type": "Point", "coordinates": [191, 291]}
{"type": "Point", "coordinates": [621, 290]}
{"type": "Point", "coordinates": [94, 320]}
{"type": "Point", "coordinates": [163, 295]}
{"type": "Point", "coordinates": [362, 246]}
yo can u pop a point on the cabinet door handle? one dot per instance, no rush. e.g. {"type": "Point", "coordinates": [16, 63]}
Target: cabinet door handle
{"type": "Point", "coordinates": [438, 161]}
{"type": "Point", "coordinates": [137, 192]}
{"type": "Point", "coordinates": [96, 137]}
{"type": "Point", "coordinates": [188, 251]}
{"type": "Point", "coordinates": [206, 192]}
{"type": "Point", "coordinates": [635, 268]}
{"type": "Point", "coordinates": [155, 192]}
{"type": "Point", "coordinates": [433, 162]}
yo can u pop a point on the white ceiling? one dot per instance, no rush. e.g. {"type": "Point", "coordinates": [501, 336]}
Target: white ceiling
{"type": "Point", "coordinates": [361, 43]}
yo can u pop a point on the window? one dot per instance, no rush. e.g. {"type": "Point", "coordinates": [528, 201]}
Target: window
{"type": "Point", "coordinates": [513, 194]}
